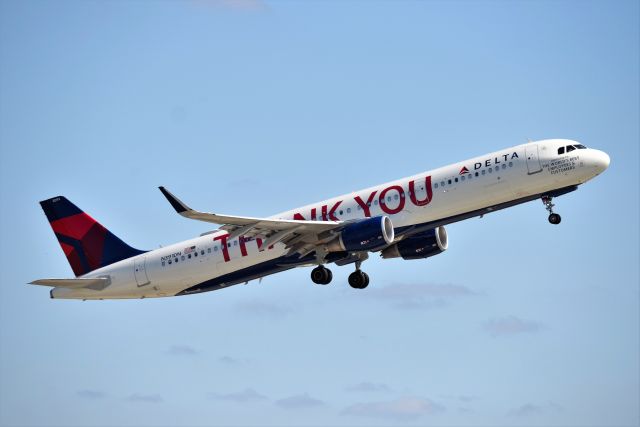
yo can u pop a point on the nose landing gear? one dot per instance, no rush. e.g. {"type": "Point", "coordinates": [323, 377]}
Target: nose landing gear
{"type": "Point", "coordinates": [554, 218]}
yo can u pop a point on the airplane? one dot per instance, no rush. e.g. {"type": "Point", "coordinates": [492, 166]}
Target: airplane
{"type": "Point", "coordinates": [404, 219]}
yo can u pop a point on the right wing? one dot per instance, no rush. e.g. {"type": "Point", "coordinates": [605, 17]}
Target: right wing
{"type": "Point", "coordinates": [299, 236]}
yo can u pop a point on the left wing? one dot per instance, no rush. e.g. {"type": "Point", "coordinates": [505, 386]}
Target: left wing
{"type": "Point", "coordinates": [299, 236]}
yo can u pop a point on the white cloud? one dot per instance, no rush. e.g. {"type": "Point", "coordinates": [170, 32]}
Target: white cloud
{"type": "Point", "coordinates": [263, 309]}
{"type": "Point", "coordinates": [529, 409]}
{"type": "Point", "coordinates": [145, 398]}
{"type": "Point", "coordinates": [403, 409]}
{"type": "Point", "coordinates": [181, 350]}
{"type": "Point", "coordinates": [299, 401]}
{"type": "Point", "coordinates": [510, 325]}
{"type": "Point", "coordinates": [419, 296]}
{"type": "Point", "coordinates": [248, 395]}
{"type": "Point", "coordinates": [91, 394]}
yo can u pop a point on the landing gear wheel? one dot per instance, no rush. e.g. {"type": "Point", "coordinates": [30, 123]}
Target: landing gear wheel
{"type": "Point", "coordinates": [358, 280]}
{"type": "Point", "coordinates": [366, 280]}
{"type": "Point", "coordinates": [554, 218]}
{"type": "Point", "coordinates": [321, 275]}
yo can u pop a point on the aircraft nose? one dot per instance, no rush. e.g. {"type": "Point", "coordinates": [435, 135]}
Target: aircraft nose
{"type": "Point", "coordinates": [601, 160]}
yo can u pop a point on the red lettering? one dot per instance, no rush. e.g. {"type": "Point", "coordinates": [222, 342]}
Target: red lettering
{"type": "Point", "coordinates": [365, 206]}
{"type": "Point", "coordinates": [243, 246]}
{"type": "Point", "coordinates": [383, 204]}
{"type": "Point", "coordinates": [225, 250]}
{"type": "Point", "coordinates": [332, 217]}
{"type": "Point", "coordinates": [429, 191]}
{"type": "Point", "coordinates": [298, 217]}
{"type": "Point", "coordinates": [313, 214]}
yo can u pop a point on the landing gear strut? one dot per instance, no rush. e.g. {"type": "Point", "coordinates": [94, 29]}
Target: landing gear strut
{"type": "Point", "coordinates": [358, 279]}
{"type": "Point", "coordinates": [321, 275]}
{"type": "Point", "coordinates": [554, 218]}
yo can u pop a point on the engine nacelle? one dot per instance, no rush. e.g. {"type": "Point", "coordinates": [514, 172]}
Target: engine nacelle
{"type": "Point", "coordinates": [365, 235]}
{"type": "Point", "coordinates": [424, 245]}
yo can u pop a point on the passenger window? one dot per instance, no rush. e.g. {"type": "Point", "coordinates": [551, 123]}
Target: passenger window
{"type": "Point", "coordinates": [504, 166]}
{"type": "Point", "coordinates": [340, 212]}
{"type": "Point", "coordinates": [560, 150]}
{"type": "Point", "coordinates": [209, 250]}
{"type": "Point", "coordinates": [195, 254]}
{"type": "Point", "coordinates": [470, 176]}
{"type": "Point", "coordinates": [449, 182]}
{"type": "Point", "coordinates": [435, 185]}
{"type": "Point", "coordinates": [483, 171]}
{"type": "Point", "coordinates": [189, 256]}
{"type": "Point", "coordinates": [570, 148]}
{"type": "Point", "coordinates": [375, 202]}
{"type": "Point", "coordinates": [348, 210]}
{"type": "Point", "coordinates": [462, 178]}
{"type": "Point", "coordinates": [456, 179]}
{"type": "Point", "coordinates": [477, 174]}
{"type": "Point", "coordinates": [510, 164]}
{"type": "Point", "coordinates": [176, 260]}
{"type": "Point", "coordinates": [182, 257]}
{"type": "Point", "coordinates": [169, 261]}
{"type": "Point", "coordinates": [442, 183]}
{"type": "Point", "coordinates": [202, 252]}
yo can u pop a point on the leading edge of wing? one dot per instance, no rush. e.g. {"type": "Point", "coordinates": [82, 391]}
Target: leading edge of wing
{"type": "Point", "coordinates": [272, 224]}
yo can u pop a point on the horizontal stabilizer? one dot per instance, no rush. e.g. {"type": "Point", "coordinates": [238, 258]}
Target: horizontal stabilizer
{"type": "Point", "coordinates": [97, 283]}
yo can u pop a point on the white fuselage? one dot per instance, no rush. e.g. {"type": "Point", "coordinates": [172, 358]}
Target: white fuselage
{"type": "Point", "coordinates": [439, 196]}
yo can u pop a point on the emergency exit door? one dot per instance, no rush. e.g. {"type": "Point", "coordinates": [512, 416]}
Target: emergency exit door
{"type": "Point", "coordinates": [140, 271]}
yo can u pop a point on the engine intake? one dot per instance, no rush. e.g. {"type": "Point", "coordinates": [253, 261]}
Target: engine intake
{"type": "Point", "coordinates": [421, 246]}
{"type": "Point", "coordinates": [365, 235]}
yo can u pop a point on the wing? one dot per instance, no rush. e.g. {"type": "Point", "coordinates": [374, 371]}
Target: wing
{"type": "Point", "coordinates": [299, 236]}
{"type": "Point", "coordinates": [97, 283]}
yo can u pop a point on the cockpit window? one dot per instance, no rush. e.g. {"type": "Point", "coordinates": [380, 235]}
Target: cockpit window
{"type": "Point", "coordinates": [580, 146]}
{"type": "Point", "coordinates": [561, 150]}
{"type": "Point", "coordinates": [570, 148]}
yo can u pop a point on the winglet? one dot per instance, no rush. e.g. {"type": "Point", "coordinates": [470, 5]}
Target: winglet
{"type": "Point", "coordinates": [175, 202]}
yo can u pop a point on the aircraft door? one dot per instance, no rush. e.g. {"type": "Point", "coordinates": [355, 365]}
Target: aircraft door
{"type": "Point", "coordinates": [140, 271]}
{"type": "Point", "coordinates": [533, 161]}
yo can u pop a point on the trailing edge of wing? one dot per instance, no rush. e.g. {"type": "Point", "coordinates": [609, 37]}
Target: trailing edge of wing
{"type": "Point", "coordinates": [97, 283]}
{"type": "Point", "coordinates": [249, 222]}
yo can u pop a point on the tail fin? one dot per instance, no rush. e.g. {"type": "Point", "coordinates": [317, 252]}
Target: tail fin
{"type": "Point", "coordinates": [86, 243]}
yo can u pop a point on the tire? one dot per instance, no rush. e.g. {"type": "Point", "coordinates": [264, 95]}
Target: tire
{"type": "Point", "coordinates": [329, 277]}
{"type": "Point", "coordinates": [555, 219]}
{"type": "Point", "coordinates": [357, 280]}
{"type": "Point", "coordinates": [319, 275]}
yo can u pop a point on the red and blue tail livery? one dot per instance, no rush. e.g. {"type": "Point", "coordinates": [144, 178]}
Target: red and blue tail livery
{"type": "Point", "coordinates": [405, 218]}
{"type": "Point", "coordinates": [87, 244]}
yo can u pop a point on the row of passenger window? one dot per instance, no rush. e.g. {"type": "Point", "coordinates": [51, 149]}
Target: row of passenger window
{"type": "Point", "coordinates": [185, 257]}
{"type": "Point", "coordinates": [472, 174]}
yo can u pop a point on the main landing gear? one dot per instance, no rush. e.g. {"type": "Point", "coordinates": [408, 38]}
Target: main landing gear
{"type": "Point", "coordinates": [554, 218]}
{"type": "Point", "coordinates": [357, 280]}
{"type": "Point", "coordinates": [321, 275]}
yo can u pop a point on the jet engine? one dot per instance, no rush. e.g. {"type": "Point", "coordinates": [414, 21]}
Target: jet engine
{"type": "Point", "coordinates": [365, 235]}
{"type": "Point", "coordinates": [420, 246]}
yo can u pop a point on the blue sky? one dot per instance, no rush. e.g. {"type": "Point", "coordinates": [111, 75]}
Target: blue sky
{"type": "Point", "coordinates": [252, 108]}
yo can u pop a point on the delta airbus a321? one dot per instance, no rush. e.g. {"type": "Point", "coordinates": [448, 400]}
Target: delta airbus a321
{"type": "Point", "coordinates": [403, 218]}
